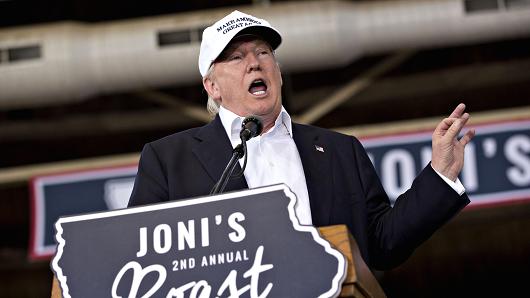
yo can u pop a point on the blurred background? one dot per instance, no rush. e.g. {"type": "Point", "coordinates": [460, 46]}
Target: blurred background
{"type": "Point", "coordinates": [85, 84]}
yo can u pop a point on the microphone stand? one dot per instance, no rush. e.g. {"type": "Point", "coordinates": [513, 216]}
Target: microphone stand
{"type": "Point", "coordinates": [237, 153]}
{"type": "Point", "coordinates": [250, 127]}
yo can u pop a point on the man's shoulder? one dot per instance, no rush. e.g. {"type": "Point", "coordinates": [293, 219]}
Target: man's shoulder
{"type": "Point", "coordinates": [186, 139]}
{"type": "Point", "coordinates": [177, 137]}
{"type": "Point", "coordinates": [322, 131]}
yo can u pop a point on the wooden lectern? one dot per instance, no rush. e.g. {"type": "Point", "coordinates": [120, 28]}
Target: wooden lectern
{"type": "Point", "coordinates": [359, 281]}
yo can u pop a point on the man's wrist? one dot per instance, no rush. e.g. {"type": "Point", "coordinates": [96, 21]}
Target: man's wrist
{"type": "Point", "coordinates": [455, 185]}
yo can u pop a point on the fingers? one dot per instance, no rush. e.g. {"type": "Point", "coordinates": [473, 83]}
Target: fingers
{"type": "Point", "coordinates": [443, 126]}
{"type": "Point", "coordinates": [467, 137]}
{"type": "Point", "coordinates": [449, 128]}
{"type": "Point", "coordinates": [458, 111]}
{"type": "Point", "coordinates": [452, 125]}
{"type": "Point", "coordinates": [446, 123]}
{"type": "Point", "coordinates": [457, 126]}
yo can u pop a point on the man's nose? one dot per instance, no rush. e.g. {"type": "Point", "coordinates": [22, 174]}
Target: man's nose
{"type": "Point", "coordinates": [252, 63]}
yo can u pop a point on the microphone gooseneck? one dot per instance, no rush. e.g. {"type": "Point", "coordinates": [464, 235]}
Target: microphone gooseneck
{"type": "Point", "coordinates": [250, 127]}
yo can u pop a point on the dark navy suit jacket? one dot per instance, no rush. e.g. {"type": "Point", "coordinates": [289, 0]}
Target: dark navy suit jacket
{"type": "Point", "coordinates": [342, 184]}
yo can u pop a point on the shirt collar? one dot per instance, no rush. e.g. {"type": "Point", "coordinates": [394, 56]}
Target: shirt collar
{"type": "Point", "coordinates": [232, 122]}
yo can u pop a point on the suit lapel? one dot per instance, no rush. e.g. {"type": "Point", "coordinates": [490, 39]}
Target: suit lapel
{"type": "Point", "coordinates": [213, 150]}
{"type": "Point", "coordinates": [316, 161]}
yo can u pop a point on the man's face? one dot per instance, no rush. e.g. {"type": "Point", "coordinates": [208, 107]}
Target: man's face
{"type": "Point", "coordinates": [246, 79]}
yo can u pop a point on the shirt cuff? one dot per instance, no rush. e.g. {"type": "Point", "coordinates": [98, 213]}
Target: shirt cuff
{"type": "Point", "coordinates": [455, 185]}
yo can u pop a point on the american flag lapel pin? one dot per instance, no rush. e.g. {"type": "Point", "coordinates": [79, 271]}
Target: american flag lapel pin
{"type": "Point", "coordinates": [319, 149]}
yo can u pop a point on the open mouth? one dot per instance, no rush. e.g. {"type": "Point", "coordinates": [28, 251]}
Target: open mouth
{"type": "Point", "coordinates": [258, 87]}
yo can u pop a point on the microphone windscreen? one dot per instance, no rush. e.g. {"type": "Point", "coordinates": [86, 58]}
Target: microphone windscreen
{"type": "Point", "coordinates": [250, 127]}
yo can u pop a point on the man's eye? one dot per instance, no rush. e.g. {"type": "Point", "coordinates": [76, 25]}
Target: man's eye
{"type": "Point", "coordinates": [235, 57]}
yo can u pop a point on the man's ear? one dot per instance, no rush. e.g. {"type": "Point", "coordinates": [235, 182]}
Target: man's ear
{"type": "Point", "coordinates": [211, 87]}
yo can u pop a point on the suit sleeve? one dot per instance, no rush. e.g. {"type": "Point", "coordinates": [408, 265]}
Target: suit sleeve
{"type": "Point", "coordinates": [150, 185]}
{"type": "Point", "coordinates": [394, 232]}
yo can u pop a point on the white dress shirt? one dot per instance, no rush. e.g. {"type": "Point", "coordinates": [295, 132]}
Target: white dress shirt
{"type": "Point", "coordinates": [456, 185]}
{"type": "Point", "coordinates": [272, 158]}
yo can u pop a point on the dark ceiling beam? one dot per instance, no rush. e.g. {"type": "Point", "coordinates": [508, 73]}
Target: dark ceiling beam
{"type": "Point", "coordinates": [173, 102]}
{"type": "Point", "coordinates": [425, 84]}
{"type": "Point", "coordinates": [352, 88]}
{"type": "Point", "coordinates": [428, 124]}
{"type": "Point", "coordinates": [93, 124]}
{"type": "Point", "coordinates": [462, 78]}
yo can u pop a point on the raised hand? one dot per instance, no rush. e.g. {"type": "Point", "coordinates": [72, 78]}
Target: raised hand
{"type": "Point", "coordinates": [447, 149]}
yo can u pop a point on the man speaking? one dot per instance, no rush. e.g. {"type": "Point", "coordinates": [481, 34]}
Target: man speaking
{"type": "Point", "coordinates": [330, 173]}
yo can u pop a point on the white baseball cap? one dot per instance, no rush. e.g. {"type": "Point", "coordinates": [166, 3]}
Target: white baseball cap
{"type": "Point", "coordinates": [216, 37]}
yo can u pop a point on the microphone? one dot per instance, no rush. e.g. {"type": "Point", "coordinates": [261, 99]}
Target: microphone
{"type": "Point", "coordinates": [250, 128]}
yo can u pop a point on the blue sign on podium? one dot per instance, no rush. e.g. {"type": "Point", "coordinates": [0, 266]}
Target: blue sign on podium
{"type": "Point", "coordinates": [240, 244]}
